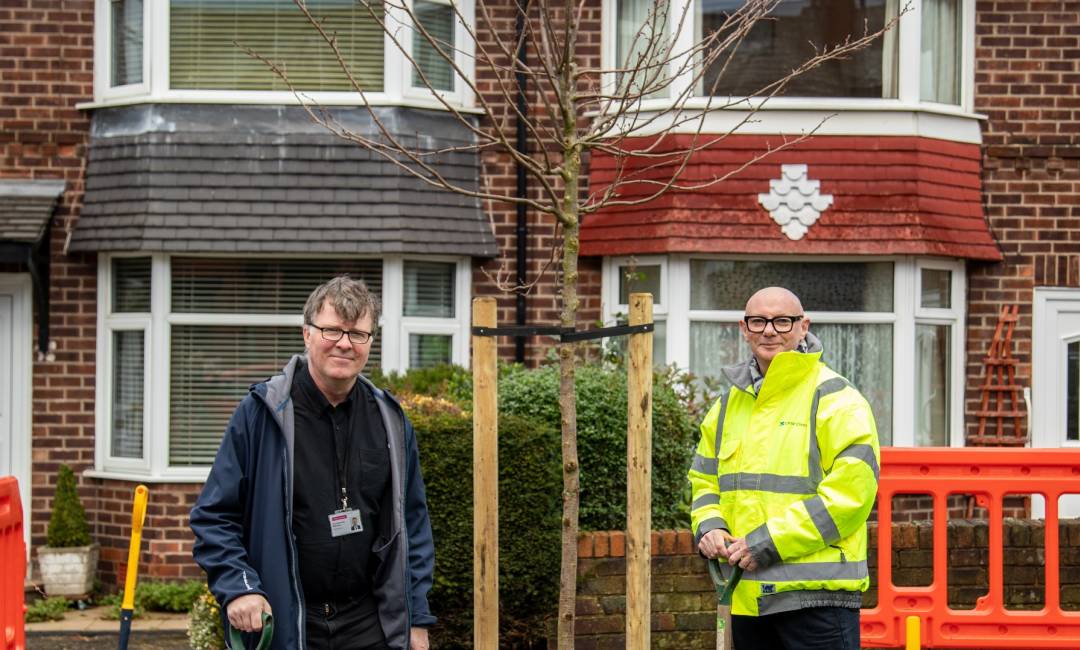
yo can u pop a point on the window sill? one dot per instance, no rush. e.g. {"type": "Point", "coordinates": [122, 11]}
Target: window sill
{"type": "Point", "coordinates": [272, 97]}
{"type": "Point", "coordinates": [197, 475]}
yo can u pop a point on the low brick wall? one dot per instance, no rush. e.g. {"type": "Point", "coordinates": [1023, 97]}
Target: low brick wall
{"type": "Point", "coordinates": [684, 602]}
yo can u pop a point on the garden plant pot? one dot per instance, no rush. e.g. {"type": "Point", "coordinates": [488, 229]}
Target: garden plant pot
{"type": "Point", "coordinates": [68, 571]}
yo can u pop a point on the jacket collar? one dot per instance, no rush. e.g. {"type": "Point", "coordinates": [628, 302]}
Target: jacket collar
{"type": "Point", "coordinates": [747, 376]}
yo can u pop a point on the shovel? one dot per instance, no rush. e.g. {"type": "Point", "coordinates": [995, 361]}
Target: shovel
{"type": "Point", "coordinates": [236, 638]}
{"type": "Point", "coordinates": [725, 587]}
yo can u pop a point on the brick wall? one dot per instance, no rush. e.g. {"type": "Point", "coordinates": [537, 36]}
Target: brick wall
{"type": "Point", "coordinates": [1027, 83]}
{"type": "Point", "coordinates": [498, 173]}
{"type": "Point", "coordinates": [684, 601]}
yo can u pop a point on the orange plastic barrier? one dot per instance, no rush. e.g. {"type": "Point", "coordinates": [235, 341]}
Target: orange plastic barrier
{"type": "Point", "coordinates": [990, 475]}
{"type": "Point", "coordinates": [12, 566]}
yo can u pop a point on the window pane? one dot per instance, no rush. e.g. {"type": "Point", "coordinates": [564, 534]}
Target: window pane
{"type": "Point", "coordinates": [127, 394]}
{"type": "Point", "coordinates": [932, 385]}
{"type": "Point", "coordinates": [126, 58]}
{"type": "Point", "coordinates": [426, 350]}
{"type": "Point", "coordinates": [642, 45]}
{"type": "Point", "coordinates": [1072, 410]}
{"type": "Point", "coordinates": [822, 286]}
{"type": "Point", "coordinates": [941, 42]}
{"type": "Point", "coordinates": [429, 289]}
{"type": "Point", "coordinates": [202, 53]}
{"type": "Point", "coordinates": [713, 346]}
{"type": "Point", "coordinates": [131, 284]}
{"type": "Point", "coordinates": [639, 279]}
{"type": "Point", "coordinates": [259, 286]}
{"type": "Point", "coordinates": [863, 354]}
{"type": "Point", "coordinates": [936, 289]}
{"type": "Point", "coordinates": [787, 38]}
{"type": "Point", "coordinates": [438, 21]}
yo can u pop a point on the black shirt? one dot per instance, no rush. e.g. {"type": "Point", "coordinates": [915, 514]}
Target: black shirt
{"type": "Point", "coordinates": [337, 569]}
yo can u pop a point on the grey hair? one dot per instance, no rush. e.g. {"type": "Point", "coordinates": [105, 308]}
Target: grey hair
{"type": "Point", "coordinates": [350, 298]}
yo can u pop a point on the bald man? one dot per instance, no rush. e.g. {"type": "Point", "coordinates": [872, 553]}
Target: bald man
{"type": "Point", "coordinates": [784, 478]}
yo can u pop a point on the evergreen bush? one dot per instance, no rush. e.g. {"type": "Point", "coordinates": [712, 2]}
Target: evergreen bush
{"type": "Point", "coordinates": [530, 503]}
{"type": "Point", "coordinates": [601, 420]}
{"type": "Point", "coordinates": [67, 524]}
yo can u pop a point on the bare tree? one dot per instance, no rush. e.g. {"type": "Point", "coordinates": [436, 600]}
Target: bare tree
{"type": "Point", "coordinates": [629, 112]}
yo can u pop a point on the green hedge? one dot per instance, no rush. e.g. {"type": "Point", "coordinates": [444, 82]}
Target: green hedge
{"type": "Point", "coordinates": [529, 507]}
{"type": "Point", "coordinates": [601, 419]}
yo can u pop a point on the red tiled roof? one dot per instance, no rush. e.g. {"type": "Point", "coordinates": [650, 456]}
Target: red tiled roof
{"type": "Point", "coordinates": [891, 195]}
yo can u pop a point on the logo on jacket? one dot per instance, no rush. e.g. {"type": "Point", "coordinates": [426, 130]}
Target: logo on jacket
{"type": "Point", "coordinates": [767, 588]}
{"type": "Point", "coordinates": [789, 423]}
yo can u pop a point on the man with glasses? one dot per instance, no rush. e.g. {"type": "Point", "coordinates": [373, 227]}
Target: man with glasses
{"type": "Point", "coordinates": [314, 510]}
{"type": "Point", "coordinates": [784, 478]}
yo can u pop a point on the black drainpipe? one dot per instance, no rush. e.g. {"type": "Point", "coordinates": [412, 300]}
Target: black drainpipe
{"type": "Point", "coordinates": [522, 145]}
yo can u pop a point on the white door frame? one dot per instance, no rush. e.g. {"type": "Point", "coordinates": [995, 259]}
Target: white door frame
{"type": "Point", "coordinates": [1048, 365]}
{"type": "Point", "coordinates": [1048, 381]}
{"type": "Point", "coordinates": [22, 320]}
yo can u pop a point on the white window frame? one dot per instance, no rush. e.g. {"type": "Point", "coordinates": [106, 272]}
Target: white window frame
{"type": "Point", "coordinates": [103, 40]}
{"type": "Point", "coordinates": [828, 115]}
{"type": "Point", "coordinates": [397, 72]}
{"type": "Point", "coordinates": [462, 94]}
{"type": "Point", "coordinates": [675, 272]}
{"type": "Point", "coordinates": [610, 291]}
{"type": "Point", "coordinates": [1047, 424]}
{"type": "Point", "coordinates": [158, 323]}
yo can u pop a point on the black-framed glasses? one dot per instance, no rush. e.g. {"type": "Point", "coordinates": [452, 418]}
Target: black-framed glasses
{"type": "Point", "coordinates": [782, 324]}
{"type": "Point", "coordinates": [356, 337]}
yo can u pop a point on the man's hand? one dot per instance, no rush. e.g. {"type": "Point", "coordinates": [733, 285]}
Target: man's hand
{"type": "Point", "coordinates": [418, 639]}
{"type": "Point", "coordinates": [713, 543]}
{"type": "Point", "coordinates": [738, 554]}
{"type": "Point", "coordinates": [245, 612]}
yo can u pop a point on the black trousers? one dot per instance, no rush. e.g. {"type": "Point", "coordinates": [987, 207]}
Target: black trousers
{"type": "Point", "coordinates": [351, 625]}
{"type": "Point", "coordinates": [813, 628]}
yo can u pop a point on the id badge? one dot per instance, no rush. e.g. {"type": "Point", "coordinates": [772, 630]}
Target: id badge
{"type": "Point", "coordinates": [345, 522]}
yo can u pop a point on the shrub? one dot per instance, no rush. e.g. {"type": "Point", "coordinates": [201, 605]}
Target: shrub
{"type": "Point", "coordinates": [205, 631]}
{"type": "Point", "coordinates": [67, 524]}
{"type": "Point", "coordinates": [156, 597]}
{"type": "Point", "coordinates": [46, 609]}
{"type": "Point", "coordinates": [529, 507]}
{"type": "Point", "coordinates": [601, 420]}
{"type": "Point", "coordinates": [452, 383]}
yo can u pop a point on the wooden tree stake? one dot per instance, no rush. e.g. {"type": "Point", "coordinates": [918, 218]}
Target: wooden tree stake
{"type": "Point", "coordinates": [639, 476]}
{"type": "Point", "coordinates": [485, 480]}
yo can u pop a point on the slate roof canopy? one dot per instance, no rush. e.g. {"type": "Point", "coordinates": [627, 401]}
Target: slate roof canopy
{"type": "Point", "coordinates": [25, 208]}
{"type": "Point", "coordinates": [267, 180]}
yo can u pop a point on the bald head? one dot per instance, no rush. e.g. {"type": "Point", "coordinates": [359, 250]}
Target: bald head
{"type": "Point", "coordinates": [778, 296]}
{"type": "Point", "coordinates": [773, 303]}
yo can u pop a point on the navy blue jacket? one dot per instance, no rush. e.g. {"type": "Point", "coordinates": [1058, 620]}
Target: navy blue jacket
{"type": "Point", "coordinates": [243, 518]}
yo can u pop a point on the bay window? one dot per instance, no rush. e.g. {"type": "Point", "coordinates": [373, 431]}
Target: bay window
{"type": "Point", "coordinates": [893, 327]}
{"type": "Point", "coordinates": [925, 58]}
{"type": "Point", "coordinates": [184, 337]}
{"type": "Point", "coordinates": [195, 50]}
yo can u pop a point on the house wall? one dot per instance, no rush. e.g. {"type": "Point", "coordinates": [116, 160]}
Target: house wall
{"type": "Point", "coordinates": [499, 173]}
{"type": "Point", "coordinates": [1027, 83]}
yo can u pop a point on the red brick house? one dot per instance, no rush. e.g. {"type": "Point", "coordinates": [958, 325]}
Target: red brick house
{"type": "Point", "coordinates": [162, 217]}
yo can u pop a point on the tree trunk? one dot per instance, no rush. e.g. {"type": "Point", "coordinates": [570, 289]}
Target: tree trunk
{"type": "Point", "coordinates": [568, 403]}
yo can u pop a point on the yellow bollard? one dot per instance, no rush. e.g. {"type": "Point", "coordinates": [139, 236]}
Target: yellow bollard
{"type": "Point", "coordinates": [127, 608]}
{"type": "Point", "coordinates": [914, 633]}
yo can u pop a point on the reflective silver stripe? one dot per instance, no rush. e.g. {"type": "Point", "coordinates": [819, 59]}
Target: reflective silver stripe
{"type": "Point", "coordinates": [767, 483]}
{"type": "Point", "coordinates": [712, 523]}
{"type": "Point", "coordinates": [787, 601]}
{"type": "Point", "coordinates": [822, 519]}
{"type": "Point", "coordinates": [828, 387]}
{"type": "Point", "coordinates": [720, 422]}
{"type": "Point", "coordinates": [705, 500]}
{"type": "Point", "coordinates": [810, 571]}
{"type": "Point", "coordinates": [704, 465]}
{"type": "Point", "coordinates": [762, 547]}
{"type": "Point", "coordinates": [865, 453]}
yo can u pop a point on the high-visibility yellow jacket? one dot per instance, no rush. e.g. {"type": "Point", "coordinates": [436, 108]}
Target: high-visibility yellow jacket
{"type": "Point", "coordinates": [794, 469]}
